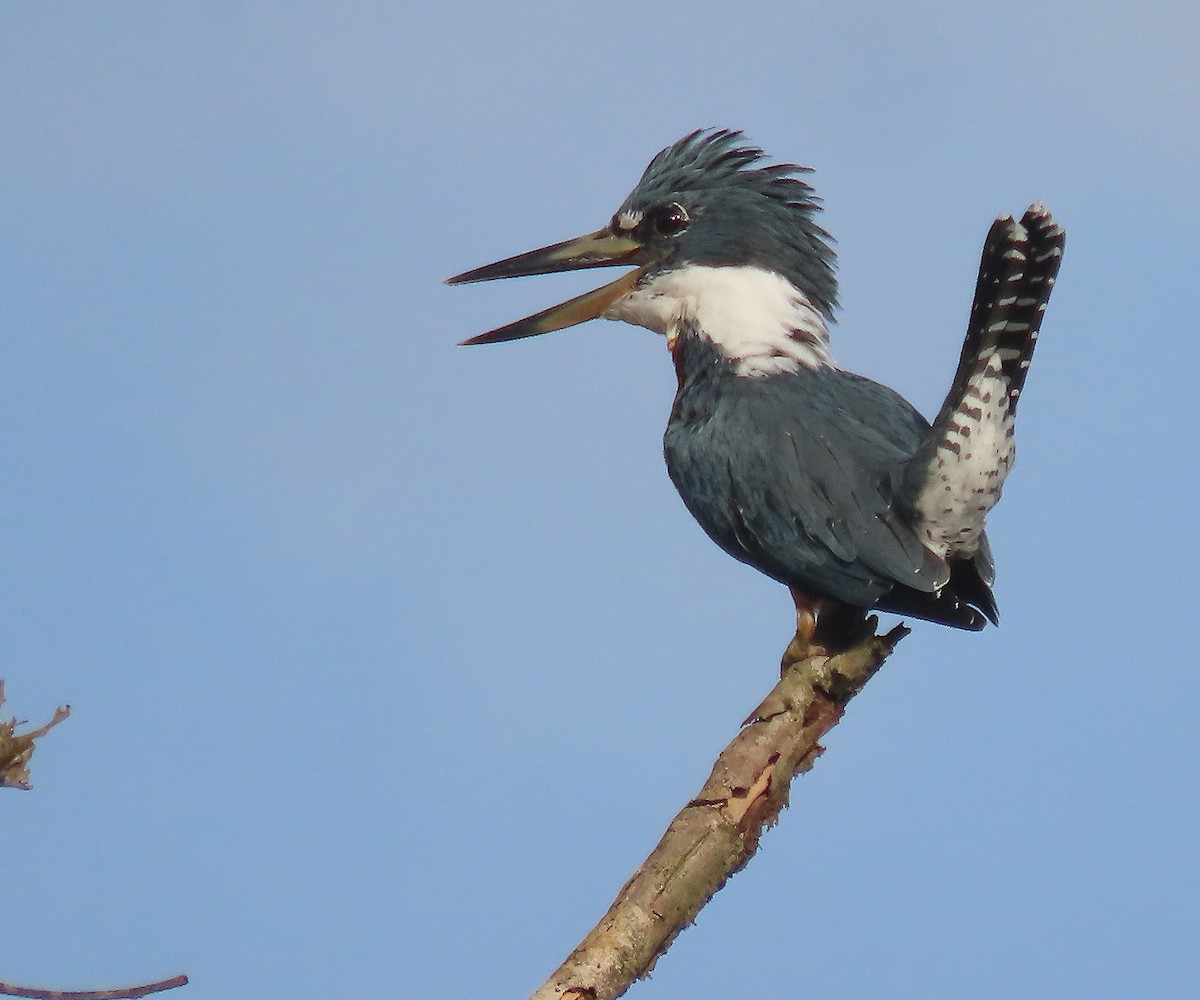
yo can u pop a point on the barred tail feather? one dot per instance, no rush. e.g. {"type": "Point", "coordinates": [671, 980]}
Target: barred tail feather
{"type": "Point", "coordinates": [958, 476]}
{"type": "Point", "coordinates": [1016, 276]}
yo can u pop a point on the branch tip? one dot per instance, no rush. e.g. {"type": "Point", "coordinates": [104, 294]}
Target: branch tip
{"type": "Point", "coordinates": [125, 993]}
{"type": "Point", "coordinates": [17, 748]}
{"type": "Point", "coordinates": [717, 832]}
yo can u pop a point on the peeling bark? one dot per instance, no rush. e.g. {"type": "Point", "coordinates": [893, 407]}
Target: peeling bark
{"type": "Point", "coordinates": [716, 833]}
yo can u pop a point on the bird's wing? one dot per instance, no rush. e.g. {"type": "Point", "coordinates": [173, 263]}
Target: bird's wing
{"type": "Point", "coordinates": [795, 474]}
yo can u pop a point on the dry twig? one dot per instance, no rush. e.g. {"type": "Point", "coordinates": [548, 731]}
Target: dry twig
{"type": "Point", "coordinates": [16, 749]}
{"type": "Point", "coordinates": [127, 993]}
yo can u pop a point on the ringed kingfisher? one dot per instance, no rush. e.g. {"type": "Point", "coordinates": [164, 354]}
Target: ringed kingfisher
{"type": "Point", "coordinates": [830, 483]}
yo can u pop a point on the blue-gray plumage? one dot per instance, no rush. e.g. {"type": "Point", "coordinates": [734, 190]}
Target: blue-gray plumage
{"type": "Point", "coordinates": [828, 482]}
{"type": "Point", "coordinates": [739, 213]}
{"type": "Point", "coordinates": [801, 475]}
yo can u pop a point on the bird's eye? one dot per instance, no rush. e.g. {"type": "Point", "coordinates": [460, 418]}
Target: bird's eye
{"type": "Point", "coordinates": [672, 219]}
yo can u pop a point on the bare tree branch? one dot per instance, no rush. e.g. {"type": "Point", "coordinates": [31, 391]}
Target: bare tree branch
{"type": "Point", "coordinates": [717, 833]}
{"type": "Point", "coordinates": [127, 993]}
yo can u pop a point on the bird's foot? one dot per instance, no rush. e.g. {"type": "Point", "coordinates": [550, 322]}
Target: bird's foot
{"type": "Point", "coordinates": [825, 630]}
{"type": "Point", "coordinates": [803, 644]}
{"type": "Point", "coordinates": [801, 648]}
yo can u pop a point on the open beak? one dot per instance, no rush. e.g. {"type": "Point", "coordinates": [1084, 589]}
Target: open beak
{"type": "Point", "coordinates": [600, 249]}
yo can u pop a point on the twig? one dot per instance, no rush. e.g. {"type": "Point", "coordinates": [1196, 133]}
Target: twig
{"type": "Point", "coordinates": [15, 751]}
{"type": "Point", "coordinates": [130, 992]}
{"type": "Point", "coordinates": [717, 833]}
{"type": "Point", "coordinates": [17, 748]}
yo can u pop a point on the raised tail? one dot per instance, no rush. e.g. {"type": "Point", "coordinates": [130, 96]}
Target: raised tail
{"type": "Point", "coordinates": [957, 477]}
{"type": "Point", "coordinates": [1016, 276]}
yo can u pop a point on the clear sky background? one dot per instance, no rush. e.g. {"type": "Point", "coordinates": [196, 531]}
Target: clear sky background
{"type": "Point", "coordinates": [390, 659]}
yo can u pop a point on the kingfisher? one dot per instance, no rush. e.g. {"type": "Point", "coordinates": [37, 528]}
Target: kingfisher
{"type": "Point", "coordinates": [826, 481]}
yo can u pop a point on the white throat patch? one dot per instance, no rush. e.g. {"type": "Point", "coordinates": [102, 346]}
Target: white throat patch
{"type": "Point", "coordinates": [756, 318]}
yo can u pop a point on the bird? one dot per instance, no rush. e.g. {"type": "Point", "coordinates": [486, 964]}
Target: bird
{"type": "Point", "coordinates": [826, 481]}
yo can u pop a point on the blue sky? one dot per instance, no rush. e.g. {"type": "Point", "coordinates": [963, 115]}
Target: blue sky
{"type": "Point", "coordinates": [390, 659]}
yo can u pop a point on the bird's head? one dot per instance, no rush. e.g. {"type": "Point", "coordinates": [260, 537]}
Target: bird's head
{"type": "Point", "coordinates": [707, 219]}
